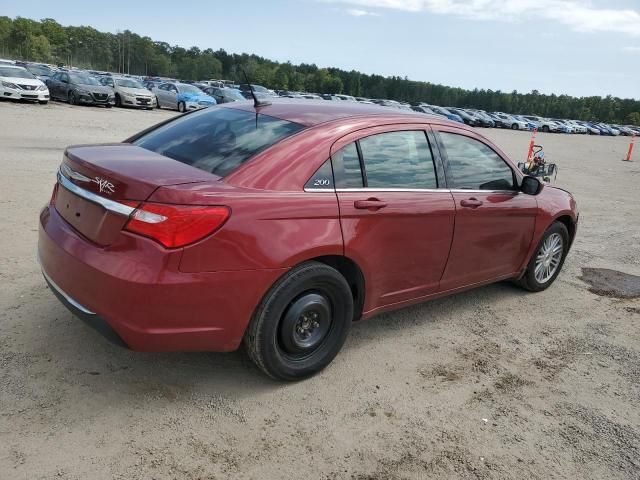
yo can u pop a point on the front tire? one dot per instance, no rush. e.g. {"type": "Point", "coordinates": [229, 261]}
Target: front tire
{"type": "Point", "coordinates": [546, 129]}
{"type": "Point", "coordinates": [118, 101]}
{"type": "Point", "coordinates": [515, 127]}
{"type": "Point", "coordinates": [548, 259]}
{"type": "Point", "coordinates": [301, 323]}
{"type": "Point", "coordinates": [44, 102]}
{"type": "Point", "coordinates": [72, 98]}
{"type": "Point", "coordinates": [182, 107]}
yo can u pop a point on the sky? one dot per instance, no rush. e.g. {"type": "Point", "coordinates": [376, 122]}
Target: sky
{"type": "Point", "coordinates": [575, 47]}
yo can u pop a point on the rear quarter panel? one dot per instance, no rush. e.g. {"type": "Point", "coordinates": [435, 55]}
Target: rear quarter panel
{"type": "Point", "coordinates": [266, 229]}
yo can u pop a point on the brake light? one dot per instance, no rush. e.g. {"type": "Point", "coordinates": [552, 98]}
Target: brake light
{"type": "Point", "coordinates": [175, 226]}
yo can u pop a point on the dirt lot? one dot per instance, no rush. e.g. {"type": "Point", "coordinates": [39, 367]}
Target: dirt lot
{"type": "Point", "coordinates": [493, 383]}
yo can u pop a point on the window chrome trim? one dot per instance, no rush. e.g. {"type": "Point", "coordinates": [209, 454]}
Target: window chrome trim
{"type": "Point", "coordinates": [470, 190]}
{"type": "Point", "coordinates": [319, 190]}
{"type": "Point", "coordinates": [109, 205]}
{"type": "Point", "coordinates": [374, 189]}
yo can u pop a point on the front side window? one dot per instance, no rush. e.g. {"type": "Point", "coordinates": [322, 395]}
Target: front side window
{"type": "Point", "coordinates": [474, 165]}
{"type": "Point", "coordinates": [217, 140]}
{"type": "Point", "coordinates": [398, 160]}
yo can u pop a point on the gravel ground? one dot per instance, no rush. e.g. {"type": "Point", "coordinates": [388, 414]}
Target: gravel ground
{"type": "Point", "coordinates": [492, 383]}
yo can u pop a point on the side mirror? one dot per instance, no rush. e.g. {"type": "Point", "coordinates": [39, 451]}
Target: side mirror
{"type": "Point", "coordinates": [530, 185]}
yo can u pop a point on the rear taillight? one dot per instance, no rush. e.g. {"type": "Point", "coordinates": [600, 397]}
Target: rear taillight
{"type": "Point", "coordinates": [175, 226]}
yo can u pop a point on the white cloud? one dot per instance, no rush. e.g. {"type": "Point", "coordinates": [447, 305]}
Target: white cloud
{"type": "Point", "coordinates": [634, 49]}
{"type": "Point", "coordinates": [578, 15]}
{"type": "Point", "coordinates": [356, 12]}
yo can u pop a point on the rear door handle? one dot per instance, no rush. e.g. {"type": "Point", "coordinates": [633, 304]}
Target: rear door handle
{"type": "Point", "coordinates": [471, 202]}
{"type": "Point", "coordinates": [369, 204]}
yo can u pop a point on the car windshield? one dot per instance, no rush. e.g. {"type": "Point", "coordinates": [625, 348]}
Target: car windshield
{"type": "Point", "coordinates": [39, 69]}
{"type": "Point", "coordinates": [14, 72]}
{"type": "Point", "coordinates": [217, 140]}
{"type": "Point", "coordinates": [186, 88]}
{"type": "Point", "coordinates": [259, 88]}
{"type": "Point", "coordinates": [128, 83]}
{"type": "Point", "coordinates": [82, 79]}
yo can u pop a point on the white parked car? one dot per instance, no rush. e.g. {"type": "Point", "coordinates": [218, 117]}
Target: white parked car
{"type": "Point", "coordinates": [130, 92]}
{"type": "Point", "coordinates": [18, 83]}
{"type": "Point", "coordinates": [577, 128]}
{"type": "Point", "coordinates": [511, 122]}
{"type": "Point", "coordinates": [544, 124]}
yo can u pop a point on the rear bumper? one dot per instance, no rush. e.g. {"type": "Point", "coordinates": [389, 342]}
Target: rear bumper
{"type": "Point", "coordinates": [135, 288]}
{"type": "Point", "coordinates": [90, 318]}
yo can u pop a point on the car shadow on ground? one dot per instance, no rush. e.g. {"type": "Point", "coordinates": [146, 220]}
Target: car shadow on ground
{"type": "Point", "coordinates": [83, 357]}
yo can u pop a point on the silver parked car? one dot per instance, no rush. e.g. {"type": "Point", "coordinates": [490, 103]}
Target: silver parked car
{"type": "Point", "coordinates": [130, 92]}
{"type": "Point", "coordinates": [181, 96]}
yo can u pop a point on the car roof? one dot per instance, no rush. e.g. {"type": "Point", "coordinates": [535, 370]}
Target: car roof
{"type": "Point", "coordinates": [314, 112]}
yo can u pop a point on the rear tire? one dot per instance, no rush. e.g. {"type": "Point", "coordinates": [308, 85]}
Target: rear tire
{"type": "Point", "coordinates": [536, 278]}
{"type": "Point", "coordinates": [301, 323]}
{"type": "Point", "coordinates": [545, 128]}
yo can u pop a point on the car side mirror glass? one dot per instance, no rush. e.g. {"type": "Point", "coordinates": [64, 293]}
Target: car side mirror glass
{"type": "Point", "coordinates": [530, 185]}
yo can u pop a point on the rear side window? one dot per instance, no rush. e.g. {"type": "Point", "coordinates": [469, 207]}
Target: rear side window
{"type": "Point", "coordinates": [217, 140]}
{"type": "Point", "coordinates": [398, 160]}
{"type": "Point", "coordinates": [473, 165]}
{"type": "Point", "coordinates": [346, 165]}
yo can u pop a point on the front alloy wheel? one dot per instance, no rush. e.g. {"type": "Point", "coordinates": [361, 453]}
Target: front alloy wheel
{"type": "Point", "coordinates": [548, 259]}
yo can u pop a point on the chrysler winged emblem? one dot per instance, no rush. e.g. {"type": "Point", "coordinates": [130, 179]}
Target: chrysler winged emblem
{"type": "Point", "coordinates": [104, 186]}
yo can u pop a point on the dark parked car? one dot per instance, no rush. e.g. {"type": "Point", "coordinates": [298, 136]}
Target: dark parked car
{"type": "Point", "coordinates": [224, 95]}
{"type": "Point", "coordinates": [467, 117]}
{"type": "Point", "coordinates": [80, 88]}
{"type": "Point", "coordinates": [43, 72]}
{"type": "Point", "coordinates": [258, 89]}
{"type": "Point", "coordinates": [277, 227]}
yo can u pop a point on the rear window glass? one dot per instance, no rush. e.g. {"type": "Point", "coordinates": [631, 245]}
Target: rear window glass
{"type": "Point", "coordinates": [217, 140]}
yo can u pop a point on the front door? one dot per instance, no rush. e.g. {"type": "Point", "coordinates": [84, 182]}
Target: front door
{"type": "Point", "coordinates": [494, 221]}
{"type": "Point", "coordinates": [396, 223]}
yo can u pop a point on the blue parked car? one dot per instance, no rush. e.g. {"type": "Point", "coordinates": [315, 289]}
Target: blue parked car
{"type": "Point", "coordinates": [447, 113]}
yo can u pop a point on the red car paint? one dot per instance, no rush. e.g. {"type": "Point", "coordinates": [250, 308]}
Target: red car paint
{"type": "Point", "coordinates": [422, 245]}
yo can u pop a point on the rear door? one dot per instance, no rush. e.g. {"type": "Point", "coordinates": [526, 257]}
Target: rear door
{"type": "Point", "coordinates": [397, 223]}
{"type": "Point", "coordinates": [494, 221]}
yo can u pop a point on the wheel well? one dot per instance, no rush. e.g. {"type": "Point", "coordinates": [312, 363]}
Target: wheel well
{"type": "Point", "coordinates": [568, 222]}
{"type": "Point", "coordinates": [352, 273]}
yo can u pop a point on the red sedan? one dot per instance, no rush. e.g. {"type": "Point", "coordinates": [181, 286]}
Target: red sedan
{"type": "Point", "coordinates": [278, 226]}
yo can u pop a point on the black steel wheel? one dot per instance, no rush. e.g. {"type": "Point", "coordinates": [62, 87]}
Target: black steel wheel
{"type": "Point", "coordinates": [301, 323]}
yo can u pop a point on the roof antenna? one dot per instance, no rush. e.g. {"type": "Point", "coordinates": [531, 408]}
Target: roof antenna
{"type": "Point", "coordinates": [256, 102]}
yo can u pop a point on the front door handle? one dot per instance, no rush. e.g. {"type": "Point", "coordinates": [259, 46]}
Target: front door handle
{"type": "Point", "coordinates": [372, 204]}
{"type": "Point", "coordinates": [471, 202]}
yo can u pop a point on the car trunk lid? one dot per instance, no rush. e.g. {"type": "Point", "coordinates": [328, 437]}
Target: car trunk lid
{"type": "Point", "coordinates": [100, 185]}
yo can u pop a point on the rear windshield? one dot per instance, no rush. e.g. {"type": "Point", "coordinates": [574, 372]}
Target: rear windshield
{"type": "Point", "coordinates": [217, 140]}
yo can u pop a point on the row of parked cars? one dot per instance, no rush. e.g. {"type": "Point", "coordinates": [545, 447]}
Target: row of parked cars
{"type": "Point", "coordinates": [39, 82]}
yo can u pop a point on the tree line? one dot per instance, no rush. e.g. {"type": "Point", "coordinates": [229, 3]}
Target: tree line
{"type": "Point", "coordinates": [127, 52]}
